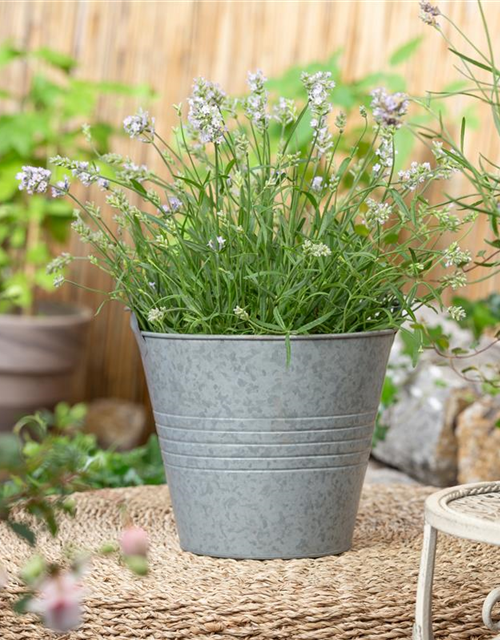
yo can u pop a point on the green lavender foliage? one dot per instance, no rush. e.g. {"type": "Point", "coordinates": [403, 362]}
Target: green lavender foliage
{"type": "Point", "coordinates": [479, 84]}
{"type": "Point", "coordinates": [236, 239]}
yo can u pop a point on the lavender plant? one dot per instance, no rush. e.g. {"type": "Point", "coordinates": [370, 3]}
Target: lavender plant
{"type": "Point", "coordinates": [234, 239]}
{"type": "Point", "coordinates": [481, 77]}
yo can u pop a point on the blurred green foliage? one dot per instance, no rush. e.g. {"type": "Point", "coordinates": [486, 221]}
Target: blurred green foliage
{"type": "Point", "coordinates": [48, 456]}
{"type": "Point", "coordinates": [481, 315]}
{"type": "Point", "coordinates": [388, 398]}
{"type": "Point", "coordinates": [39, 120]}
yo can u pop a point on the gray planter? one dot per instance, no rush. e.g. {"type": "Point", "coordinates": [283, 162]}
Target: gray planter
{"type": "Point", "coordinates": [265, 460]}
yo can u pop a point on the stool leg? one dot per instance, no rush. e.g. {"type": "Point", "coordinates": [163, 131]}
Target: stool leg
{"type": "Point", "coordinates": [423, 615]}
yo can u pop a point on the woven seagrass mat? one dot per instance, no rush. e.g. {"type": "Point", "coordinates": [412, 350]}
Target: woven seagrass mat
{"type": "Point", "coordinates": [368, 592]}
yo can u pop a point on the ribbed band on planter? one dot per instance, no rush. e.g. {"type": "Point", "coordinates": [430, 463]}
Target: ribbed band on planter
{"type": "Point", "coordinates": [367, 593]}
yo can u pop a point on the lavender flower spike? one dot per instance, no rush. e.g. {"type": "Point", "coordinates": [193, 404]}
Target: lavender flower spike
{"type": "Point", "coordinates": [33, 179]}
{"type": "Point", "coordinates": [61, 188]}
{"type": "Point", "coordinates": [429, 13]}
{"type": "Point", "coordinates": [389, 108]}
{"type": "Point", "coordinates": [256, 103]}
{"type": "Point", "coordinates": [139, 124]}
{"type": "Point", "coordinates": [318, 86]}
{"type": "Point", "coordinates": [204, 114]}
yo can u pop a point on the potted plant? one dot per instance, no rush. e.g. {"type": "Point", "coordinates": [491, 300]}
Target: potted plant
{"type": "Point", "coordinates": [266, 288]}
{"type": "Point", "coordinates": [41, 341]}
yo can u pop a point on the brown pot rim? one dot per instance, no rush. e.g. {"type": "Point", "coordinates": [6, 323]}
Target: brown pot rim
{"type": "Point", "coordinates": [72, 315]}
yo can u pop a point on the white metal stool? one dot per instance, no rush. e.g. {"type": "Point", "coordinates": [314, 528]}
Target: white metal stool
{"type": "Point", "coordinates": [470, 511]}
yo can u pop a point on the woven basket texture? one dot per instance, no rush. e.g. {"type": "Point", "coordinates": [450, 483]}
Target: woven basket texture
{"type": "Point", "coordinates": [368, 592]}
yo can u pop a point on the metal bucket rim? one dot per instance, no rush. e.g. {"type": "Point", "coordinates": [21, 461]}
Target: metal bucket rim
{"type": "Point", "coordinates": [267, 338]}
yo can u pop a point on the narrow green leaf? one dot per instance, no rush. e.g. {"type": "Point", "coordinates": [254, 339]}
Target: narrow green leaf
{"type": "Point", "coordinates": [138, 187]}
{"type": "Point", "coordinates": [476, 63]}
{"type": "Point", "coordinates": [405, 51]}
{"type": "Point", "coordinates": [496, 117]}
{"type": "Point", "coordinates": [311, 198]}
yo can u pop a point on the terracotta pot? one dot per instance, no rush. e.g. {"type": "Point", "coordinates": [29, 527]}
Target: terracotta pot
{"type": "Point", "coordinates": [38, 354]}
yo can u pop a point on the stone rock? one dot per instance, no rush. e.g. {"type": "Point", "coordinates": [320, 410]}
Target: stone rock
{"type": "Point", "coordinates": [378, 473]}
{"type": "Point", "coordinates": [116, 423]}
{"type": "Point", "coordinates": [421, 436]}
{"type": "Point", "coordinates": [478, 440]}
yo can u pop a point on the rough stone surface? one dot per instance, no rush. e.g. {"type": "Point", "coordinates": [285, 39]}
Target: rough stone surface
{"type": "Point", "coordinates": [116, 423]}
{"type": "Point", "coordinates": [478, 439]}
{"type": "Point", "coordinates": [378, 473]}
{"type": "Point", "coordinates": [421, 438]}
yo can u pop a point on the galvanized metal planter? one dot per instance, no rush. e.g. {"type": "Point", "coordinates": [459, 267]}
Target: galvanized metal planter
{"type": "Point", "coordinates": [265, 460]}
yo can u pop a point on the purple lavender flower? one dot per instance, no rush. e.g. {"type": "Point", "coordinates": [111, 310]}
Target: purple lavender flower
{"type": "Point", "coordinates": [285, 112]}
{"type": "Point", "coordinates": [429, 13]}
{"type": "Point", "coordinates": [318, 86]}
{"type": "Point", "coordinates": [256, 103]}
{"type": "Point", "coordinates": [33, 179]}
{"type": "Point", "coordinates": [61, 188]}
{"type": "Point", "coordinates": [389, 108]}
{"type": "Point", "coordinates": [84, 173]}
{"type": "Point", "coordinates": [139, 124]}
{"type": "Point", "coordinates": [205, 115]}
{"type": "Point", "coordinates": [317, 184]}
{"type": "Point", "coordinates": [174, 204]}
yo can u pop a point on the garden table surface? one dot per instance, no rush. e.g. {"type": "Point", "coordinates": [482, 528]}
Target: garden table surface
{"type": "Point", "coordinates": [368, 592]}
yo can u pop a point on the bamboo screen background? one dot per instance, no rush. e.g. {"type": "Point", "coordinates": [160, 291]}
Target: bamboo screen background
{"type": "Point", "coordinates": [167, 44]}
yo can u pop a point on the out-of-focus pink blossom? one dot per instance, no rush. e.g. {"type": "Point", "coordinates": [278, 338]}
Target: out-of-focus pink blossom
{"type": "Point", "coordinates": [134, 541]}
{"type": "Point", "coordinates": [59, 602]}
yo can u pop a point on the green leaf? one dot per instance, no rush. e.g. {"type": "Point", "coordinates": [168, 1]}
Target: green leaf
{"type": "Point", "coordinates": [137, 564]}
{"type": "Point", "coordinates": [22, 604]}
{"type": "Point", "coordinates": [8, 53]}
{"type": "Point", "coordinates": [361, 230]}
{"type": "Point", "coordinates": [23, 531]}
{"type": "Point", "coordinates": [138, 187]}
{"type": "Point", "coordinates": [57, 59]}
{"type": "Point", "coordinates": [476, 63]}
{"type": "Point", "coordinates": [462, 135]}
{"type": "Point", "coordinates": [10, 451]}
{"type": "Point", "coordinates": [389, 392]}
{"type": "Point", "coordinates": [311, 198]}
{"type": "Point", "coordinates": [391, 238]}
{"type": "Point", "coordinates": [406, 51]}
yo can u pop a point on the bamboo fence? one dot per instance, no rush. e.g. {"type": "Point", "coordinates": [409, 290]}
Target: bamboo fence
{"type": "Point", "coordinates": [167, 44]}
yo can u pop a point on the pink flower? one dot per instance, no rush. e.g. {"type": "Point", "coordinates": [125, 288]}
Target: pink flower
{"type": "Point", "coordinates": [134, 541]}
{"type": "Point", "coordinates": [59, 602]}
